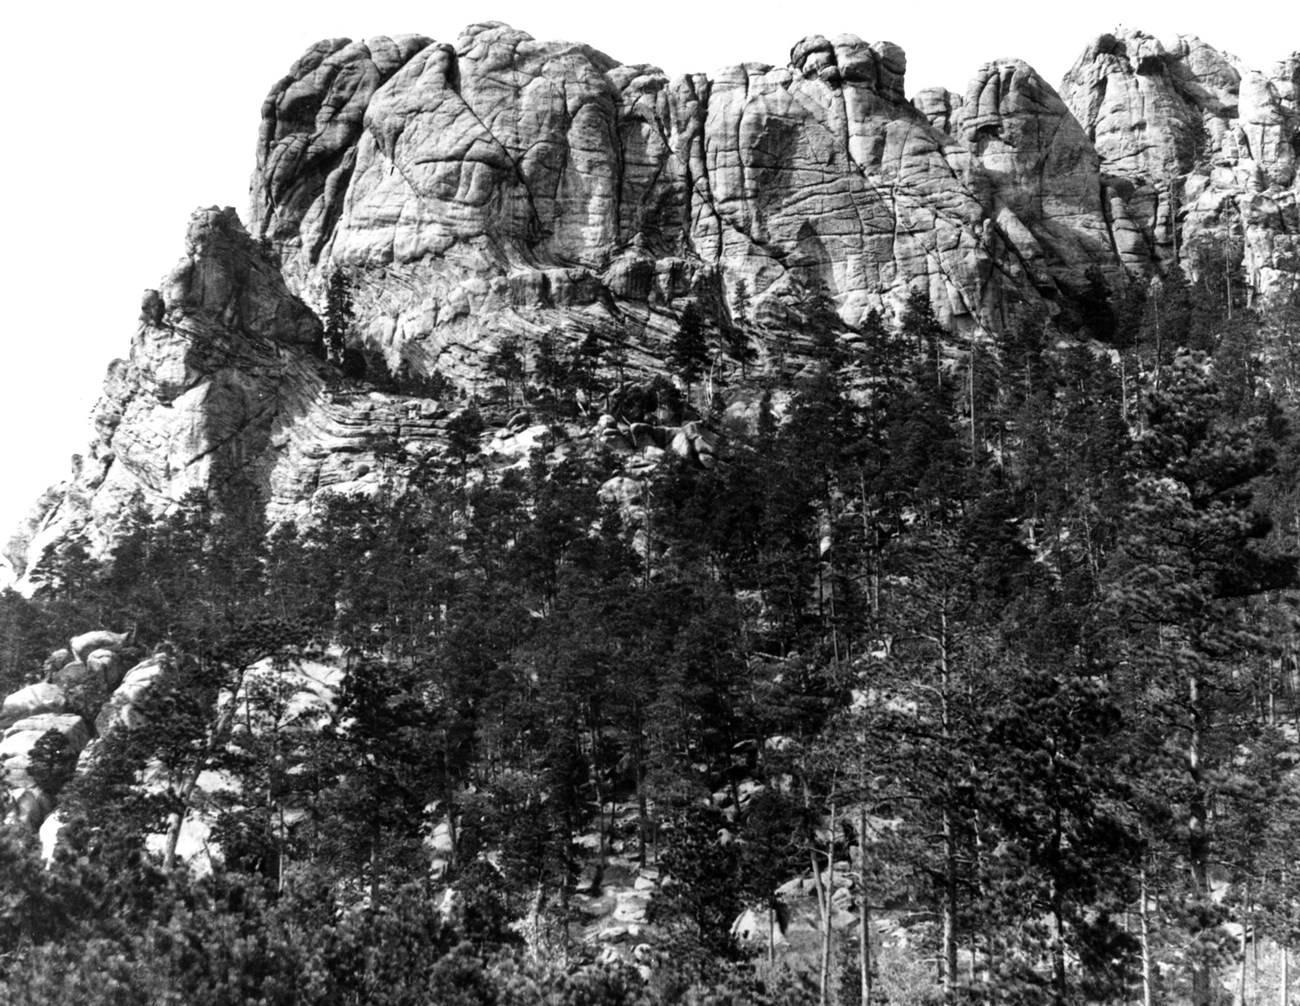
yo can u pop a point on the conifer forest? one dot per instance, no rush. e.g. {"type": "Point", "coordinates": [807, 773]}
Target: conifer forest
{"type": "Point", "coordinates": [964, 671]}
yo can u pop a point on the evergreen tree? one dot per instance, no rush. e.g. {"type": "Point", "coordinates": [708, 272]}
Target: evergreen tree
{"type": "Point", "coordinates": [1189, 556]}
{"type": "Point", "coordinates": [1098, 315]}
{"type": "Point", "coordinates": [740, 302]}
{"type": "Point", "coordinates": [340, 315]}
{"type": "Point", "coordinates": [921, 326]}
{"type": "Point", "coordinates": [507, 363]}
{"type": "Point", "coordinates": [688, 353]}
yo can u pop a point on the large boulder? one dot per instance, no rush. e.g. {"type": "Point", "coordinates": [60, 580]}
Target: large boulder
{"type": "Point", "coordinates": [19, 739]}
{"type": "Point", "coordinates": [99, 639]}
{"type": "Point", "coordinates": [43, 697]}
{"type": "Point", "coordinates": [119, 711]}
{"type": "Point", "coordinates": [106, 665]}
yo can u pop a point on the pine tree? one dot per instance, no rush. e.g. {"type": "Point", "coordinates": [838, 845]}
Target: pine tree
{"type": "Point", "coordinates": [1098, 315]}
{"type": "Point", "coordinates": [688, 354]}
{"type": "Point", "coordinates": [919, 324]}
{"type": "Point", "coordinates": [339, 315]}
{"type": "Point", "coordinates": [1175, 587]}
{"type": "Point", "coordinates": [740, 302]}
{"type": "Point", "coordinates": [507, 363]}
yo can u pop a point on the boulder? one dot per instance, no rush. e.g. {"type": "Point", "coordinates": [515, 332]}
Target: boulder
{"type": "Point", "coordinates": [19, 739]}
{"type": "Point", "coordinates": [119, 710]}
{"type": "Point", "coordinates": [55, 661]}
{"type": "Point", "coordinates": [44, 697]}
{"type": "Point", "coordinates": [74, 728]}
{"type": "Point", "coordinates": [100, 639]}
{"type": "Point", "coordinates": [71, 675]}
{"type": "Point", "coordinates": [30, 807]}
{"type": "Point", "coordinates": [106, 665]}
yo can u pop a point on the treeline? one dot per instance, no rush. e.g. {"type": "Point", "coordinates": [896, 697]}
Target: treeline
{"type": "Point", "coordinates": [1004, 630]}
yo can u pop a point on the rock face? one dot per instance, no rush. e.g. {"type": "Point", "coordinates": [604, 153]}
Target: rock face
{"type": "Point", "coordinates": [497, 187]}
{"type": "Point", "coordinates": [500, 173]}
{"type": "Point", "coordinates": [1194, 147]}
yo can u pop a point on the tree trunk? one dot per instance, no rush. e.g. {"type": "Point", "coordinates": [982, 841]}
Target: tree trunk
{"type": "Point", "coordinates": [1058, 924]}
{"type": "Point", "coordinates": [376, 840]}
{"type": "Point", "coordinates": [970, 377]}
{"type": "Point", "coordinates": [864, 925]}
{"type": "Point", "coordinates": [1144, 914]}
{"type": "Point", "coordinates": [823, 912]}
{"type": "Point", "coordinates": [949, 832]}
{"type": "Point", "coordinates": [533, 925]}
{"type": "Point", "coordinates": [1198, 837]}
{"type": "Point", "coordinates": [1241, 978]}
{"type": "Point", "coordinates": [949, 906]}
{"type": "Point", "coordinates": [1285, 990]}
{"type": "Point", "coordinates": [828, 915]}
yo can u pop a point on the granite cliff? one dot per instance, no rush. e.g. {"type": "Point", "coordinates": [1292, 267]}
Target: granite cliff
{"type": "Point", "coordinates": [502, 188]}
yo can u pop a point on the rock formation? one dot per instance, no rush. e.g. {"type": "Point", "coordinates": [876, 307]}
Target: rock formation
{"type": "Point", "coordinates": [82, 703]}
{"type": "Point", "coordinates": [500, 188]}
{"type": "Point", "coordinates": [500, 173]}
{"type": "Point", "coordinates": [1194, 146]}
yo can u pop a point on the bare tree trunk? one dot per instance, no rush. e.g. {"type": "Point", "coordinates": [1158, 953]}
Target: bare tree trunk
{"type": "Point", "coordinates": [1245, 955]}
{"type": "Point", "coordinates": [1145, 916]}
{"type": "Point", "coordinates": [864, 926]}
{"type": "Point", "coordinates": [828, 917]}
{"type": "Point", "coordinates": [1058, 924]}
{"type": "Point", "coordinates": [824, 913]}
{"type": "Point", "coordinates": [949, 906]}
{"type": "Point", "coordinates": [949, 834]}
{"type": "Point", "coordinates": [1198, 837]}
{"type": "Point", "coordinates": [970, 376]}
{"type": "Point", "coordinates": [1285, 991]}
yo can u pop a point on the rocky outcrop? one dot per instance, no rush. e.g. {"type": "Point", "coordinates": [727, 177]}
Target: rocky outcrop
{"type": "Point", "coordinates": [1036, 174]}
{"type": "Point", "coordinates": [493, 169]}
{"type": "Point", "coordinates": [46, 725]}
{"type": "Point", "coordinates": [221, 362]}
{"type": "Point", "coordinates": [52, 729]}
{"type": "Point", "coordinates": [1195, 147]}
{"type": "Point", "coordinates": [489, 178]}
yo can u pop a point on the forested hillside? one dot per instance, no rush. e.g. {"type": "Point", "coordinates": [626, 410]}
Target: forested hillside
{"type": "Point", "coordinates": [982, 651]}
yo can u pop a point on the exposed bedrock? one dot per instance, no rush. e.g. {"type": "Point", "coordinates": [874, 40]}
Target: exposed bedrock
{"type": "Point", "coordinates": [483, 171]}
{"type": "Point", "coordinates": [1188, 135]}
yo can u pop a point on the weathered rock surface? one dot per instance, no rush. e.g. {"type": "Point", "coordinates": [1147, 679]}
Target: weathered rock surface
{"type": "Point", "coordinates": [101, 639]}
{"type": "Point", "coordinates": [495, 172]}
{"type": "Point", "coordinates": [119, 711]}
{"type": "Point", "coordinates": [27, 801]}
{"type": "Point", "coordinates": [43, 697]}
{"type": "Point", "coordinates": [19, 739]}
{"type": "Point", "coordinates": [1194, 146]}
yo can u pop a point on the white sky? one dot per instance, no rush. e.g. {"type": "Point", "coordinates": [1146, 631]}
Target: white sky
{"type": "Point", "coordinates": [125, 117]}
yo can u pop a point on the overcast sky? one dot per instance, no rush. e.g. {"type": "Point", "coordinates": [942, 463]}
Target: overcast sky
{"type": "Point", "coordinates": [123, 118]}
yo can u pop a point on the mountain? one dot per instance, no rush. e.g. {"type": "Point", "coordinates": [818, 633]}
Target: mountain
{"type": "Point", "coordinates": [600, 538]}
{"type": "Point", "coordinates": [499, 189]}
